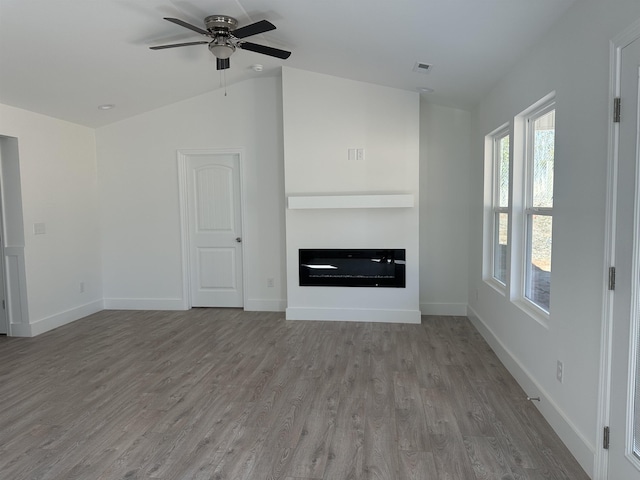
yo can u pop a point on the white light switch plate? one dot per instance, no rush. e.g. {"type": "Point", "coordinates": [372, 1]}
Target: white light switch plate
{"type": "Point", "coordinates": [39, 229]}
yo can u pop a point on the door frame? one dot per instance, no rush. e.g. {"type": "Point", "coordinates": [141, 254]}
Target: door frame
{"type": "Point", "coordinates": [616, 45]}
{"type": "Point", "coordinates": [183, 190]}
{"type": "Point", "coordinates": [4, 278]}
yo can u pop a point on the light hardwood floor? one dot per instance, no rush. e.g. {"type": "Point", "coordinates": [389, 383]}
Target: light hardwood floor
{"type": "Point", "coordinates": [225, 394]}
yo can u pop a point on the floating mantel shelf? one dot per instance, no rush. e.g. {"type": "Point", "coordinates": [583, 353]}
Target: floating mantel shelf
{"type": "Point", "coordinates": [350, 201]}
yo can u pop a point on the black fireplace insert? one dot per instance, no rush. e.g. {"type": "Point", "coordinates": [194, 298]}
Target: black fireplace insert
{"type": "Point", "coordinates": [352, 268]}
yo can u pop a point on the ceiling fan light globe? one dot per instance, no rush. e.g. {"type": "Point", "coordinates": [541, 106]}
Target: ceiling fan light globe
{"type": "Point", "coordinates": [221, 51]}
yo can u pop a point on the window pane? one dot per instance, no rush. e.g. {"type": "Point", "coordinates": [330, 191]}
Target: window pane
{"type": "Point", "coordinates": [538, 281]}
{"type": "Point", "coordinates": [503, 171]}
{"type": "Point", "coordinates": [544, 132]}
{"type": "Point", "coordinates": [500, 247]}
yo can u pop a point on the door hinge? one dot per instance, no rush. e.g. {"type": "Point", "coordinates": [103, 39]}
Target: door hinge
{"type": "Point", "coordinates": [612, 278]}
{"type": "Point", "coordinates": [616, 110]}
{"type": "Point", "coordinates": [3, 306]}
{"type": "Point", "coordinates": [605, 438]}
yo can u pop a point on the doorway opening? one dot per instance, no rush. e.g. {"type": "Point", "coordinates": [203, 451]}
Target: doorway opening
{"type": "Point", "coordinates": [13, 287]}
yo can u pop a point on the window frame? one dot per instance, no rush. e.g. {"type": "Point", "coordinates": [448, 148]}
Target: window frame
{"type": "Point", "coordinates": [496, 208]}
{"type": "Point", "coordinates": [520, 210]}
{"type": "Point", "coordinates": [493, 209]}
{"type": "Point", "coordinates": [529, 117]}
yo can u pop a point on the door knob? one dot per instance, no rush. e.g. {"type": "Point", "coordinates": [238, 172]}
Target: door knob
{"type": "Point", "coordinates": [239, 239]}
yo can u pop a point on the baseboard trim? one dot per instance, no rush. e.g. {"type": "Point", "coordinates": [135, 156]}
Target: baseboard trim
{"type": "Point", "coordinates": [59, 319]}
{"type": "Point", "coordinates": [353, 315]}
{"type": "Point", "coordinates": [581, 448]}
{"type": "Point", "coordinates": [444, 309]}
{"type": "Point", "coordinates": [144, 304]}
{"type": "Point", "coordinates": [265, 305]}
{"type": "Point", "coordinates": [20, 330]}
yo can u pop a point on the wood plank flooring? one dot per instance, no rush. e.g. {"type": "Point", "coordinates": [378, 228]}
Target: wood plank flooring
{"type": "Point", "coordinates": [225, 394]}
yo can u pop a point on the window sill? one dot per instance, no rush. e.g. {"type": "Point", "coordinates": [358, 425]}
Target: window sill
{"type": "Point", "coordinates": [501, 288]}
{"type": "Point", "coordinates": [533, 311]}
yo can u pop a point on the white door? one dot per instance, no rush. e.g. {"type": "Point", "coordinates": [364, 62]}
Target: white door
{"type": "Point", "coordinates": [215, 230]}
{"type": "Point", "coordinates": [624, 455]}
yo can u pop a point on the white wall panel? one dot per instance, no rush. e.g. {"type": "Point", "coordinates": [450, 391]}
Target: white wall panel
{"type": "Point", "coordinates": [140, 211]}
{"type": "Point", "coordinates": [58, 186]}
{"type": "Point", "coordinates": [572, 60]}
{"type": "Point", "coordinates": [445, 152]}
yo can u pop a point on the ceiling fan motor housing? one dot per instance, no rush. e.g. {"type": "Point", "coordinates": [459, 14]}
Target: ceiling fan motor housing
{"type": "Point", "coordinates": [220, 27]}
{"type": "Point", "coordinates": [220, 23]}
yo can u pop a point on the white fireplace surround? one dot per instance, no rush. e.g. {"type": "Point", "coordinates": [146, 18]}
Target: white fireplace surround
{"type": "Point", "coordinates": [336, 202]}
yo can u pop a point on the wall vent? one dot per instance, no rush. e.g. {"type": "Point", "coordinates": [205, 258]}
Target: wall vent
{"type": "Point", "coordinates": [422, 67]}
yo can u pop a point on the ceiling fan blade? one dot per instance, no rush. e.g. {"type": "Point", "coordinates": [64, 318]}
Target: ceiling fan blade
{"type": "Point", "coordinates": [274, 52]}
{"type": "Point", "coordinates": [222, 63]}
{"type": "Point", "coordinates": [253, 29]}
{"type": "Point", "coordinates": [174, 45]}
{"type": "Point", "coordinates": [184, 24]}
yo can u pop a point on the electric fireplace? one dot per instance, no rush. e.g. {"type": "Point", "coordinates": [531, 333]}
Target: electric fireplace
{"type": "Point", "coordinates": [352, 268]}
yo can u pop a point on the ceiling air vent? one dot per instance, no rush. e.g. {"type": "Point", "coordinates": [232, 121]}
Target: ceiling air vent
{"type": "Point", "coordinates": [421, 67]}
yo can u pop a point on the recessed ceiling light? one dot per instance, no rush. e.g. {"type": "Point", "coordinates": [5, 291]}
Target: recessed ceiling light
{"type": "Point", "coordinates": [257, 67]}
{"type": "Point", "coordinates": [425, 90]}
{"type": "Point", "coordinates": [106, 106]}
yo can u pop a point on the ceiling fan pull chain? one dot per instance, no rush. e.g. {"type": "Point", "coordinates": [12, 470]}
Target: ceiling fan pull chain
{"type": "Point", "coordinates": [223, 81]}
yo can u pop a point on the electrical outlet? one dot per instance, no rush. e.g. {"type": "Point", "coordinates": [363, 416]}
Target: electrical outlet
{"type": "Point", "coordinates": [270, 282]}
{"type": "Point", "coordinates": [81, 287]}
{"type": "Point", "coordinates": [559, 371]}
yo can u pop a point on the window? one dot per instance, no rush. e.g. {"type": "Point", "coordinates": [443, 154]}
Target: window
{"type": "Point", "coordinates": [538, 204]}
{"type": "Point", "coordinates": [518, 214]}
{"type": "Point", "coordinates": [500, 240]}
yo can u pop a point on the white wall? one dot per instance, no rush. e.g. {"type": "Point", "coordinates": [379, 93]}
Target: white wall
{"type": "Point", "coordinates": [573, 60]}
{"type": "Point", "coordinates": [57, 171]}
{"type": "Point", "coordinates": [324, 116]}
{"type": "Point", "coordinates": [140, 203]}
{"type": "Point", "coordinates": [139, 239]}
{"type": "Point", "coordinates": [445, 149]}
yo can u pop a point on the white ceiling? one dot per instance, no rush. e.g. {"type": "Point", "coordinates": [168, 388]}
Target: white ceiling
{"type": "Point", "coordinates": [63, 58]}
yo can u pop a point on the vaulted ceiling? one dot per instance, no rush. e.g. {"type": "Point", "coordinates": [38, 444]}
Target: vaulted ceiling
{"type": "Point", "coordinates": [64, 58]}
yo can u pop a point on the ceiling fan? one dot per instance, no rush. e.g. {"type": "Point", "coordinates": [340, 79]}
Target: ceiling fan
{"type": "Point", "coordinates": [226, 37]}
